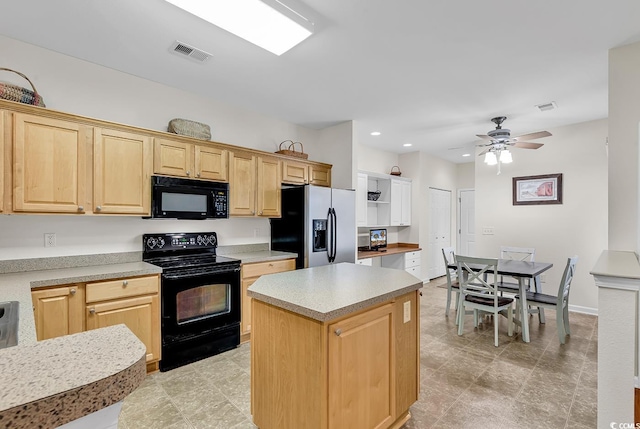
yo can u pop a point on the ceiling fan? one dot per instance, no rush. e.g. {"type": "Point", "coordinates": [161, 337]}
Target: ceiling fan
{"type": "Point", "coordinates": [500, 139]}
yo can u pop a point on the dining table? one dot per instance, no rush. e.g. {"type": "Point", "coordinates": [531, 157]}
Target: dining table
{"type": "Point", "coordinates": [521, 270]}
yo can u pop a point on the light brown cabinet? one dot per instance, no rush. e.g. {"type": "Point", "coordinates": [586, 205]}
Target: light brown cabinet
{"type": "Point", "coordinates": [320, 175]}
{"type": "Point", "coordinates": [295, 173]}
{"type": "Point", "coordinates": [69, 309]}
{"type": "Point", "coordinates": [3, 133]}
{"type": "Point", "coordinates": [254, 185]}
{"type": "Point", "coordinates": [251, 273]}
{"type": "Point", "coordinates": [121, 172]}
{"type": "Point", "coordinates": [49, 165]}
{"type": "Point", "coordinates": [360, 371]}
{"type": "Point", "coordinates": [180, 159]}
{"type": "Point", "coordinates": [134, 302]}
{"type": "Point", "coordinates": [58, 311]}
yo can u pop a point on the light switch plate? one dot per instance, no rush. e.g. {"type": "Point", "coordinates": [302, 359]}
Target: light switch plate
{"type": "Point", "coordinates": [487, 230]}
{"type": "Point", "coordinates": [407, 311]}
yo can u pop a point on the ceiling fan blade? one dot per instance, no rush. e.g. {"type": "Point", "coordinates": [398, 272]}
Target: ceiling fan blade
{"type": "Point", "coordinates": [527, 145]}
{"type": "Point", "coordinates": [484, 136]}
{"type": "Point", "coordinates": [484, 151]}
{"type": "Point", "coordinates": [532, 136]}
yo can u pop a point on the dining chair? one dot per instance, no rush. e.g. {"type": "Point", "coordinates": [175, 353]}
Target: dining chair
{"type": "Point", "coordinates": [559, 302]}
{"type": "Point", "coordinates": [477, 292]}
{"type": "Point", "coordinates": [507, 283]}
{"type": "Point", "coordinates": [452, 285]}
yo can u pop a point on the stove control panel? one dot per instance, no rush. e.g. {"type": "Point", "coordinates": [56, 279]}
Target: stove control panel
{"type": "Point", "coordinates": [190, 240]}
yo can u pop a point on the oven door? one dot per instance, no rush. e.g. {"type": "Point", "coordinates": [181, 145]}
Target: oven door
{"type": "Point", "coordinates": [199, 301]}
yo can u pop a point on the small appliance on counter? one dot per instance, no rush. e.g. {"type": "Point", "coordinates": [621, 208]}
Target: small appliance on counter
{"type": "Point", "coordinates": [200, 296]}
{"type": "Point", "coordinates": [317, 223]}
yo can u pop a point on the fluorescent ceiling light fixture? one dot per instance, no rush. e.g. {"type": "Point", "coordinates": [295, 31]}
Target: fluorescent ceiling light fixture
{"type": "Point", "coordinates": [407, 145]}
{"type": "Point", "coordinates": [376, 133]}
{"type": "Point", "coordinates": [267, 23]}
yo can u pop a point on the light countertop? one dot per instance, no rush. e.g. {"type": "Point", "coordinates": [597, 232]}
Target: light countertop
{"type": "Point", "coordinates": [622, 264]}
{"type": "Point", "coordinates": [331, 291]}
{"type": "Point", "coordinates": [259, 256]}
{"type": "Point", "coordinates": [391, 249]}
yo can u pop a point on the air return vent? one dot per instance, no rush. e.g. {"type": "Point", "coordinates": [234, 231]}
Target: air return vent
{"type": "Point", "coordinates": [547, 106]}
{"type": "Point", "coordinates": [190, 52]}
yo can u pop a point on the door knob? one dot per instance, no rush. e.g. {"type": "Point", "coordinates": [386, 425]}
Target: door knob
{"type": "Point", "coordinates": [98, 208]}
{"type": "Point", "coordinates": [92, 311]}
{"type": "Point", "coordinates": [80, 208]}
{"type": "Point", "coordinates": [338, 332]}
{"type": "Point", "coordinates": [197, 174]}
{"type": "Point", "coordinates": [73, 291]}
{"type": "Point", "coordinates": [125, 283]}
{"type": "Point", "coordinates": [188, 173]}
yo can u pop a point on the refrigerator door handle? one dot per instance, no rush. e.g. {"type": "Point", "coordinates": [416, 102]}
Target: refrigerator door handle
{"type": "Point", "coordinates": [330, 227]}
{"type": "Point", "coordinates": [335, 235]}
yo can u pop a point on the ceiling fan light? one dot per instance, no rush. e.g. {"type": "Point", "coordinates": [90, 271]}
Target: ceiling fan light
{"type": "Point", "coordinates": [490, 158]}
{"type": "Point", "coordinates": [505, 157]}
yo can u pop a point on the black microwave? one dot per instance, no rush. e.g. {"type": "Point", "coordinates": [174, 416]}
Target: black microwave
{"type": "Point", "coordinates": [188, 199]}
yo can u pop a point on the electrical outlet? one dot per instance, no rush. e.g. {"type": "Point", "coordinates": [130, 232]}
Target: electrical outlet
{"type": "Point", "coordinates": [50, 239]}
{"type": "Point", "coordinates": [407, 311]}
{"type": "Point", "coordinates": [487, 230]}
{"type": "Point", "coordinates": [543, 278]}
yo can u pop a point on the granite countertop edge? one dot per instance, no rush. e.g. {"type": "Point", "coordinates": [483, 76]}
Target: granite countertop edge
{"type": "Point", "coordinates": [338, 312]}
{"type": "Point", "coordinates": [39, 398]}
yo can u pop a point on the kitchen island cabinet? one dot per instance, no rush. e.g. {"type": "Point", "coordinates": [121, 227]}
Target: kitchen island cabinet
{"type": "Point", "coordinates": [334, 347]}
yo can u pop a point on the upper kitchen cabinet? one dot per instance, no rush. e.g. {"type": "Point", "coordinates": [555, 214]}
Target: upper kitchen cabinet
{"type": "Point", "coordinates": [295, 173]}
{"type": "Point", "coordinates": [174, 158]}
{"type": "Point", "coordinates": [400, 202]}
{"type": "Point", "coordinates": [254, 185]}
{"type": "Point", "coordinates": [320, 175]}
{"type": "Point", "coordinates": [49, 170]}
{"type": "Point", "coordinates": [121, 172]}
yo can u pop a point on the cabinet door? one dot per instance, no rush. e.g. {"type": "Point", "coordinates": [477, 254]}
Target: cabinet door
{"type": "Point", "coordinates": [49, 165]}
{"type": "Point", "coordinates": [141, 315]}
{"type": "Point", "coordinates": [211, 163]}
{"type": "Point", "coordinates": [405, 217]}
{"type": "Point", "coordinates": [320, 176]}
{"type": "Point", "coordinates": [172, 158]}
{"type": "Point", "coordinates": [361, 200]}
{"type": "Point", "coordinates": [242, 184]}
{"type": "Point", "coordinates": [121, 172]}
{"type": "Point", "coordinates": [396, 203]}
{"type": "Point", "coordinates": [269, 187]}
{"type": "Point", "coordinates": [3, 131]}
{"type": "Point", "coordinates": [58, 311]}
{"type": "Point", "coordinates": [362, 351]}
{"type": "Point", "coordinates": [245, 323]}
{"type": "Point", "coordinates": [296, 173]}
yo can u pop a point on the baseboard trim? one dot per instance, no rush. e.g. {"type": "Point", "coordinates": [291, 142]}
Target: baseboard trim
{"type": "Point", "coordinates": [584, 310]}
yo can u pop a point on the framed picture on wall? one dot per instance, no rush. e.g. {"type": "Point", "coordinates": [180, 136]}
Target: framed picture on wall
{"type": "Point", "coordinates": [545, 189]}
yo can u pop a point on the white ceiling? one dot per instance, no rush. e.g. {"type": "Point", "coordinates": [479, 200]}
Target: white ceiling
{"type": "Point", "coordinates": [429, 73]}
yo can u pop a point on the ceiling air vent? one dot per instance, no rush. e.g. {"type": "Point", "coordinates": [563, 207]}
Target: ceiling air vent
{"type": "Point", "coordinates": [189, 51]}
{"type": "Point", "coordinates": [547, 106]}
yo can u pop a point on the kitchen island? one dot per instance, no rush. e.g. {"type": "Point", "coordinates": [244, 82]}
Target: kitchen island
{"type": "Point", "coordinates": [334, 347]}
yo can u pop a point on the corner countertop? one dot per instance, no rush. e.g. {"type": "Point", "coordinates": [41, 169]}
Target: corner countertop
{"type": "Point", "coordinates": [53, 382]}
{"type": "Point", "coordinates": [331, 291]}
{"type": "Point", "coordinates": [391, 249]}
{"type": "Point", "coordinates": [17, 286]}
{"type": "Point", "coordinates": [259, 256]}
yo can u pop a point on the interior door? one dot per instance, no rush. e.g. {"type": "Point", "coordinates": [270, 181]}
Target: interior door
{"type": "Point", "coordinates": [467, 231]}
{"type": "Point", "coordinates": [439, 231]}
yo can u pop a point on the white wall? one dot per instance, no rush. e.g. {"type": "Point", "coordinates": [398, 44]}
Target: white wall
{"type": "Point", "coordinates": [79, 87]}
{"type": "Point", "coordinates": [624, 116]}
{"type": "Point", "coordinates": [576, 227]}
{"type": "Point", "coordinates": [466, 175]}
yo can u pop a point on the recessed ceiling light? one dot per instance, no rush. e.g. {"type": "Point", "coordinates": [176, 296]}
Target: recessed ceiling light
{"type": "Point", "coordinates": [407, 144]}
{"type": "Point", "coordinates": [466, 154]}
{"type": "Point", "coordinates": [375, 133]}
{"type": "Point", "coordinates": [270, 25]}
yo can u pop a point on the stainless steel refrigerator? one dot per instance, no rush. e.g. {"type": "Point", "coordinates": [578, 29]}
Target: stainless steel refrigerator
{"type": "Point", "coordinates": [317, 223]}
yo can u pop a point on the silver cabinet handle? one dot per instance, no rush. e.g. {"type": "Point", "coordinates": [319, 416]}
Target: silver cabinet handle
{"type": "Point", "coordinates": [92, 311]}
{"type": "Point", "coordinates": [188, 173]}
{"type": "Point", "coordinates": [260, 213]}
{"type": "Point", "coordinates": [73, 291]}
{"type": "Point", "coordinates": [197, 174]}
{"type": "Point", "coordinates": [125, 283]}
{"type": "Point", "coordinates": [98, 208]}
{"type": "Point", "coordinates": [338, 332]}
{"type": "Point", "coordinates": [80, 208]}
{"type": "Point", "coordinates": [253, 213]}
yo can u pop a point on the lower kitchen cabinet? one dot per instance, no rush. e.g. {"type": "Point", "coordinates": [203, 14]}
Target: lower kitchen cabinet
{"type": "Point", "coordinates": [58, 311]}
{"type": "Point", "coordinates": [251, 273]}
{"type": "Point", "coordinates": [359, 371]}
{"type": "Point", "coordinates": [75, 308]}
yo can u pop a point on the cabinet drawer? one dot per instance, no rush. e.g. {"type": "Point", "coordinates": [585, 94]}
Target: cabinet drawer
{"type": "Point", "coordinates": [121, 288]}
{"type": "Point", "coordinates": [411, 255]}
{"type": "Point", "coordinates": [408, 263]}
{"type": "Point", "coordinates": [271, 267]}
{"type": "Point", "coordinates": [414, 270]}
{"type": "Point", "coordinates": [366, 261]}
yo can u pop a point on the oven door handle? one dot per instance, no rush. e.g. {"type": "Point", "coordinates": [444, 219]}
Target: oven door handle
{"type": "Point", "coordinates": [197, 273]}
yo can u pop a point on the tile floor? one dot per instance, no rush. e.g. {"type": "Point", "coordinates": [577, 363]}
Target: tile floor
{"type": "Point", "coordinates": [466, 382]}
